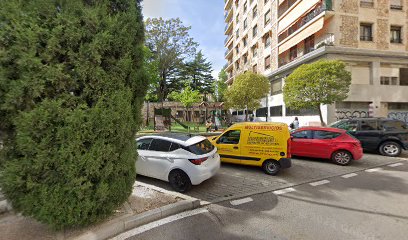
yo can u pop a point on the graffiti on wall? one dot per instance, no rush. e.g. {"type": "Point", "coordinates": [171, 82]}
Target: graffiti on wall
{"type": "Point", "coordinates": [402, 116]}
{"type": "Point", "coordinates": [347, 114]}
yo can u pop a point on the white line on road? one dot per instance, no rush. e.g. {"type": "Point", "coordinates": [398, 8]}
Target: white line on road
{"type": "Point", "coordinates": [283, 191]}
{"type": "Point", "coordinates": [152, 225]}
{"type": "Point", "coordinates": [349, 175]}
{"type": "Point", "coordinates": [241, 201]}
{"type": "Point", "coordinates": [395, 165]}
{"type": "Point", "coordinates": [314, 184]}
{"type": "Point", "coordinates": [374, 170]}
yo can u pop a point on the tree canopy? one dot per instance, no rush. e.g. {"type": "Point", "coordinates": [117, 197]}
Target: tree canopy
{"type": "Point", "coordinates": [320, 82]}
{"type": "Point", "coordinates": [171, 44]}
{"type": "Point", "coordinates": [187, 97]}
{"type": "Point", "coordinates": [72, 83]}
{"type": "Point", "coordinates": [220, 86]}
{"type": "Point", "coordinates": [246, 91]}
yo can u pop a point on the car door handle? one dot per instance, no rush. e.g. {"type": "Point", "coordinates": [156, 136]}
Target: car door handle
{"type": "Point", "coordinates": [235, 147]}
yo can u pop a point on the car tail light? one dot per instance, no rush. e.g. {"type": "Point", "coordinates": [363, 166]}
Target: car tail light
{"type": "Point", "coordinates": [198, 161]}
{"type": "Point", "coordinates": [289, 144]}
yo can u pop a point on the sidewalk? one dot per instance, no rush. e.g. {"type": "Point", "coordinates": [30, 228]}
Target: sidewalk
{"type": "Point", "coordinates": [146, 204]}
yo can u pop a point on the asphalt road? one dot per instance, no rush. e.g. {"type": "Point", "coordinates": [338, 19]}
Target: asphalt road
{"type": "Point", "coordinates": [366, 204]}
{"type": "Point", "coordinates": [234, 181]}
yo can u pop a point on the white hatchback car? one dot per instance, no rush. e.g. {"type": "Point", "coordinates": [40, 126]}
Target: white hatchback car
{"type": "Point", "coordinates": [179, 159]}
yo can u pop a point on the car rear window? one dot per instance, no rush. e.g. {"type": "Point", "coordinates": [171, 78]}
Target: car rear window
{"type": "Point", "coordinates": [393, 125]}
{"type": "Point", "coordinates": [325, 135]}
{"type": "Point", "coordinates": [200, 148]}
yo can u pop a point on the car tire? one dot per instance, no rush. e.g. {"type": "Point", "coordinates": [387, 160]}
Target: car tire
{"type": "Point", "coordinates": [342, 157]}
{"type": "Point", "coordinates": [179, 181]}
{"type": "Point", "coordinates": [390, 149]}
{"type": "Point", "coordinates": [271, 167]}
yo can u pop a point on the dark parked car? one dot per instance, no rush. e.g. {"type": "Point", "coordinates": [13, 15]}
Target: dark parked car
{"type": "Point", "coordinates": [387, 136]}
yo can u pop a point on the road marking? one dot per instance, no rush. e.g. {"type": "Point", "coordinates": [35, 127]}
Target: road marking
{"type": "Point", "coordinates": [241, 201]}
{"type": "Point", "coordinates": [395, 165]}
{"type": "Point", "coordinates": [283, 191]}
{"type": "Point", "coordinates": [373, 170]}
{"type": "Point", "coordinates": [349, 175]}
{"type": "Point", "coordinates": [161, 222]}
{"type": "Point", "coordinates": [314, 184]}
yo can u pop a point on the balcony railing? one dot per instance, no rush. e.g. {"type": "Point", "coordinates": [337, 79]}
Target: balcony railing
{"type": "Point", "coordinates": [396, 7]}
{"type": "Point", "coordinates": [367, 3]}
{"type": "Point", "coordinates": [366, 38]}
{"type": "Point", "coordinates": [227, 39]}
{"type": "Point", "coordinates": [326, 6]}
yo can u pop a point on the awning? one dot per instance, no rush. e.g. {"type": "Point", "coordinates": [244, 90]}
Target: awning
{"type": "Point", "coordinates": [302, 35]}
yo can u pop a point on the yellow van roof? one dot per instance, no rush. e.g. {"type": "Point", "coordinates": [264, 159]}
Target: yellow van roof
{"type": "Point", "coordinates": [259, 124]}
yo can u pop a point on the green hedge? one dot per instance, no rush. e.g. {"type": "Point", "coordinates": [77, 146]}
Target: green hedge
{"type": "Point", "coordinates": [71, 88]}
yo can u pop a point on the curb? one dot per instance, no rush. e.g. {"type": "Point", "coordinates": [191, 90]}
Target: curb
{"type": "Point", "coordinates": [118, 226]}
{"type": "Point", "coordinates": [4, 206]}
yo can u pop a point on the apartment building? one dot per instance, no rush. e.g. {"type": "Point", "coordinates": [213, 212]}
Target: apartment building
{"type": "Point", "coordinates": [274, 37]}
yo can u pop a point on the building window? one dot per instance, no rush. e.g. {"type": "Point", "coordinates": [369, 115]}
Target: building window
{"type": "Point", "coordinates": [293, 53]}
{"type": "Point", "coordinates": [262, 112]}
{"type": "Point", "coordinates": [245, 58]}
{"type": "Point", "coordinates": [255, 31]}
{"type": "Point", "coordinates": [245, 6]}
{"type": "Point", "coordinates": [267, 17]}
{"type": "Point", "coordinates": [237, 19]}
{"type": "Point", "coordinates": [302, 112]}
{"type": "Point", "coordinates": [267, 40]}
{"type": "Point", "coordinates": [254, 51]}
{"type": "Point", "coordinates": [255, 12]}
{"type": "Point", "coordinates": [237, 33]}
{"type": "Point", "coordinates": [276, 87]}
{"type": "Point", "coordinates": [265, 1]}
{"type": "Point", "coordinates": [237, 65]}
{"type": "Point", "coordinates": [396, 4]}
{"type": "Point", "coordinates": [366, 32]}
{"type": "Point", "coordinates": [245, 41]}
{"type": "Point", "coordinates": [267, 62]}
{"type": "Point", "coordinates": [389, 81]}
{"type": "Point", "coordinates": [245, 23]}
{"type": "Point", "coordinates": [396, 34]}
{"type": "Point", "coordinates": [367, 3]}
{"type": "Point", "coordinates": [309, 44]}
{"type": "Point", "coordinates": [276, 111]}
{"type": "Point", "coordinates": [237, 49]}
{"type": "Point", "coordinates": [255, 68]}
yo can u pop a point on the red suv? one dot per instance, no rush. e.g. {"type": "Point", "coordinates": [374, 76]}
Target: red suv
{"type": "Point", "coordinates": [328, 143]}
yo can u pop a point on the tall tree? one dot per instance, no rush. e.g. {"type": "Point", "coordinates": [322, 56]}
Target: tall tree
{"type": "Point", "coordinates": [321, 82]}
{"type": "Point", "coordinates": [197, 73]}
{"type": "Point", "coordinates": [187, 97]}
{"type": "Point", "coordinates": [220, 86]}
{"type": "Point", "coordinates": [246, 91]}
{"type": "Point", "coordinates": [170, 43]}
{"type": "Point", "coordinates": [71, 88]}
{"type": "Point", "coordinates": [151, 68]}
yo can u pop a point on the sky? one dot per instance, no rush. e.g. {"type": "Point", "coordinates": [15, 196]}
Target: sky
{"type": "Point", "coordinates": [206, 18]}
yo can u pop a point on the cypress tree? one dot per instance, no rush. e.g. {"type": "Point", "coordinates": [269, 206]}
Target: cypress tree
{"type": "Point", "coordinates": [71, 88]}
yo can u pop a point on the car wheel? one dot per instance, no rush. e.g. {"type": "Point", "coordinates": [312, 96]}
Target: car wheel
{"type": "Point", "coordinates": [179, 181]}
{"type": "Point", "coordinates": [390, 149]}
{"type": "Point", "coordinates": [342, 157]}
{"type": "Point", "coordinates": [271, 167]}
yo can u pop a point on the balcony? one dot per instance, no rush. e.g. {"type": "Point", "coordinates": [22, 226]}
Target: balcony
{"type": "Point", "coordinates": [227, 39]}
{"type": "Point", "coordinates": [228, 4]}
{"type": "Point", "coordinates": [284, 6]}
{"type": "Point", "coordinates": [228, 27]}
{"type": "Point", "coordinates": [305, 20]}
{"type": "Point", "coordinates": [327, 40]}
{"type": "Point", "coordinates": [228, 15]}
{"type": "Point", "coordinates": [228, 52]}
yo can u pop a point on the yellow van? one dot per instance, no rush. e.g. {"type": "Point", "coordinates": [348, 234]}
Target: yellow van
{"type": "Point", "coordinates": [262, 144]}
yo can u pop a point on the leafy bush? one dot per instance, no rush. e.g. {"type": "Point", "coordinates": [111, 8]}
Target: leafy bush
{"type": "Point", "coordinates": [71, 88]}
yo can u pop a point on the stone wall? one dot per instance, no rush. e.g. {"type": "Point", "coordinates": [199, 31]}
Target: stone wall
{"type": "Point", "coordinates": [383, 8]}
{"type": "Point", "coordinates": [349, 31]}
{"type": "Point", "coordinates": [350, 6]}
{"type": "Point", "coordinates": [383, 39]}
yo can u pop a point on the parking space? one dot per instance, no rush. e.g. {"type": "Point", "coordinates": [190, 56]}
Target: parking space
{"type": "Point", "coordinates": [233, 181]}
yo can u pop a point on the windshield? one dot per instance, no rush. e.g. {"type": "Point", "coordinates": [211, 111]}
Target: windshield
{"type": "Point", "coordinates": [202, 147]}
